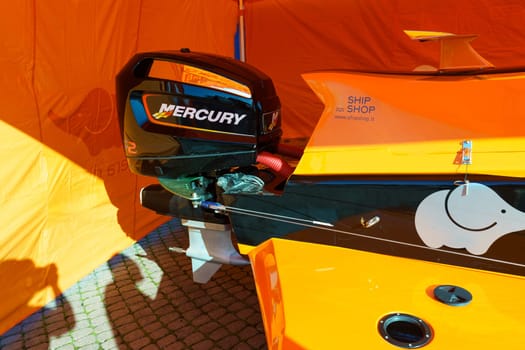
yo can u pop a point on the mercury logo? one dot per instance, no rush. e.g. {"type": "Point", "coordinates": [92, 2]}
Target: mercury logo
{"type": "Point", "coordinates": [213, 116]}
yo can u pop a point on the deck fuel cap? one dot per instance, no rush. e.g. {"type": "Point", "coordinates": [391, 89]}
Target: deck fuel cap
{"type": "Point", "coordinates": [452, 295]}
{"type": "Point", "coordinates": [405, 331]}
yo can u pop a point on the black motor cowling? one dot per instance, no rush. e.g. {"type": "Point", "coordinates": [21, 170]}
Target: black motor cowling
{"type": "Point", "coordinates": [185, 113]}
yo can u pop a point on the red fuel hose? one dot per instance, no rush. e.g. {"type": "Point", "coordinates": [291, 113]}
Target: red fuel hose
{"type": "Point", "coordinates": [275, 163]}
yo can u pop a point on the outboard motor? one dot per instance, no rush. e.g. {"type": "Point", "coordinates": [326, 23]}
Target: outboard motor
{"type": "Point", "coordinates": [187, 118]}
{"type": "Point", "coordinates": [184, 114]}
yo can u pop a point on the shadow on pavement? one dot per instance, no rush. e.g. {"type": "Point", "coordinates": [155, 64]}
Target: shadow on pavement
{"type": "Point", "coordinates": [53, 320]}
{"type": "Point", "coordinates": [145, 298]}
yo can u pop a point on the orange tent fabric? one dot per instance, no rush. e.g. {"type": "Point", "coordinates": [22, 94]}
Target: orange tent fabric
{"type": "Point", "coordinates": [68, 200]}
{"type": "Point", "coordinates": [288, 38]}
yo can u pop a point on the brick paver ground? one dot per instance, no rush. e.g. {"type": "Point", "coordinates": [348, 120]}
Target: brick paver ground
{"type": "Point", "coordinates": [145, 298]}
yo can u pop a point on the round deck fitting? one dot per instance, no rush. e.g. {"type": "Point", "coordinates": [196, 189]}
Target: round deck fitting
{"type": "Point", "coordinates": [452, 295]}
{"type": "Point", "coordinates": [405, 331]}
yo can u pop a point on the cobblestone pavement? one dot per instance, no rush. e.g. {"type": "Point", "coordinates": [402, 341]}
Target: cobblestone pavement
{"type": "Point", "coordinates": [145, 298]}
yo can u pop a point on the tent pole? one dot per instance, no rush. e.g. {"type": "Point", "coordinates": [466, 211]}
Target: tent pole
{"type": "Point", "coordinates": [242, 47]}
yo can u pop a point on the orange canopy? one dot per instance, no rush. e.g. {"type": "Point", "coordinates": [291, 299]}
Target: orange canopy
{"type": "Point", "coordinates": [288, 38]}
{"type": "Point", "coordinates": [68, 200]}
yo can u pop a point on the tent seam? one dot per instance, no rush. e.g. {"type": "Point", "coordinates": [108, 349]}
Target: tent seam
{"type": "Point", "coordinates": [136, 185]}
{"type": "Point", "coordinates": [33, 69]}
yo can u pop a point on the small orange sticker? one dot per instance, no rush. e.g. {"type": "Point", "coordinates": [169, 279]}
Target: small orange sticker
{"type": "Point", "coordinates": [132, 148]}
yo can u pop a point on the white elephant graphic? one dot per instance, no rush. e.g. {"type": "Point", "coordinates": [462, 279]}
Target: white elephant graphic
{"type": "Point", "coordinates": [470, 216]}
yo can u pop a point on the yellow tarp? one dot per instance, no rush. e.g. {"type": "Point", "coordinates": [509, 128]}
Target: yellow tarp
{"type": "Point", "coordinates": [68, 201]}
